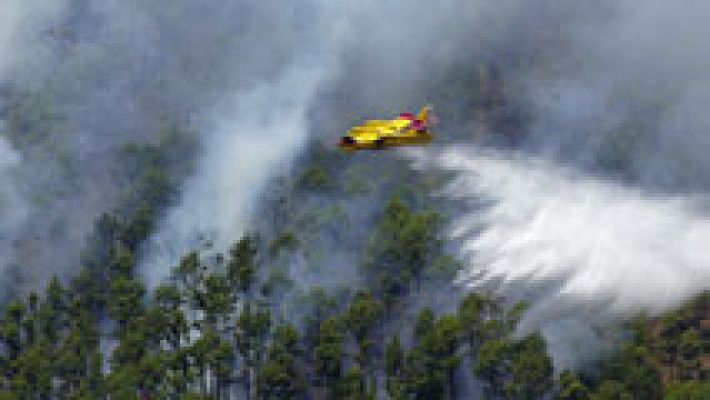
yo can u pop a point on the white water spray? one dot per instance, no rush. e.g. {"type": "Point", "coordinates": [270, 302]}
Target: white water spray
{"type": "Point", "coordinates": [591, 250]}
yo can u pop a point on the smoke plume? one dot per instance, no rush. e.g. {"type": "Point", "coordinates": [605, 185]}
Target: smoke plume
{"type": "Point", "coordinates": [257, 130]}
{"type": "Point", "coordinates": [242, 153]}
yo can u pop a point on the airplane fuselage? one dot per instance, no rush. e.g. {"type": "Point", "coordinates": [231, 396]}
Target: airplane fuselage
{"type": "Point", "coordinates": [380, 134]}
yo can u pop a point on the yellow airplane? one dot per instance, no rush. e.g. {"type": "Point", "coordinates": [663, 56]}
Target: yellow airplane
{"type": "Point", "coordinates": [379, 134]}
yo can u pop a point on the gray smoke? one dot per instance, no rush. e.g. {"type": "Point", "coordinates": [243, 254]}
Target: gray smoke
{"type": "Point", "coordinates": [629, 91]}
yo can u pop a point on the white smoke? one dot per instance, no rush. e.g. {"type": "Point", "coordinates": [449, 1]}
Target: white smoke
{"type": "Point", "coordinates": [585, 249]}
{"type": "Point", "coordinates": [239, 158]}
{"type": "Point", "coordinates": [13, 209]}
{"type": "Point", "coordinates": [255, 134]}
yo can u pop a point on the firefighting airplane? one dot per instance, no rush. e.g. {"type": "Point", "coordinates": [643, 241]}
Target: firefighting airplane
{"type": "Point", "coordinates": [379, 134]}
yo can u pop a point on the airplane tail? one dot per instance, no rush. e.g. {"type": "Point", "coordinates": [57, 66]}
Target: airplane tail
{"type": "Point", "coordinates": [426, 116]}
